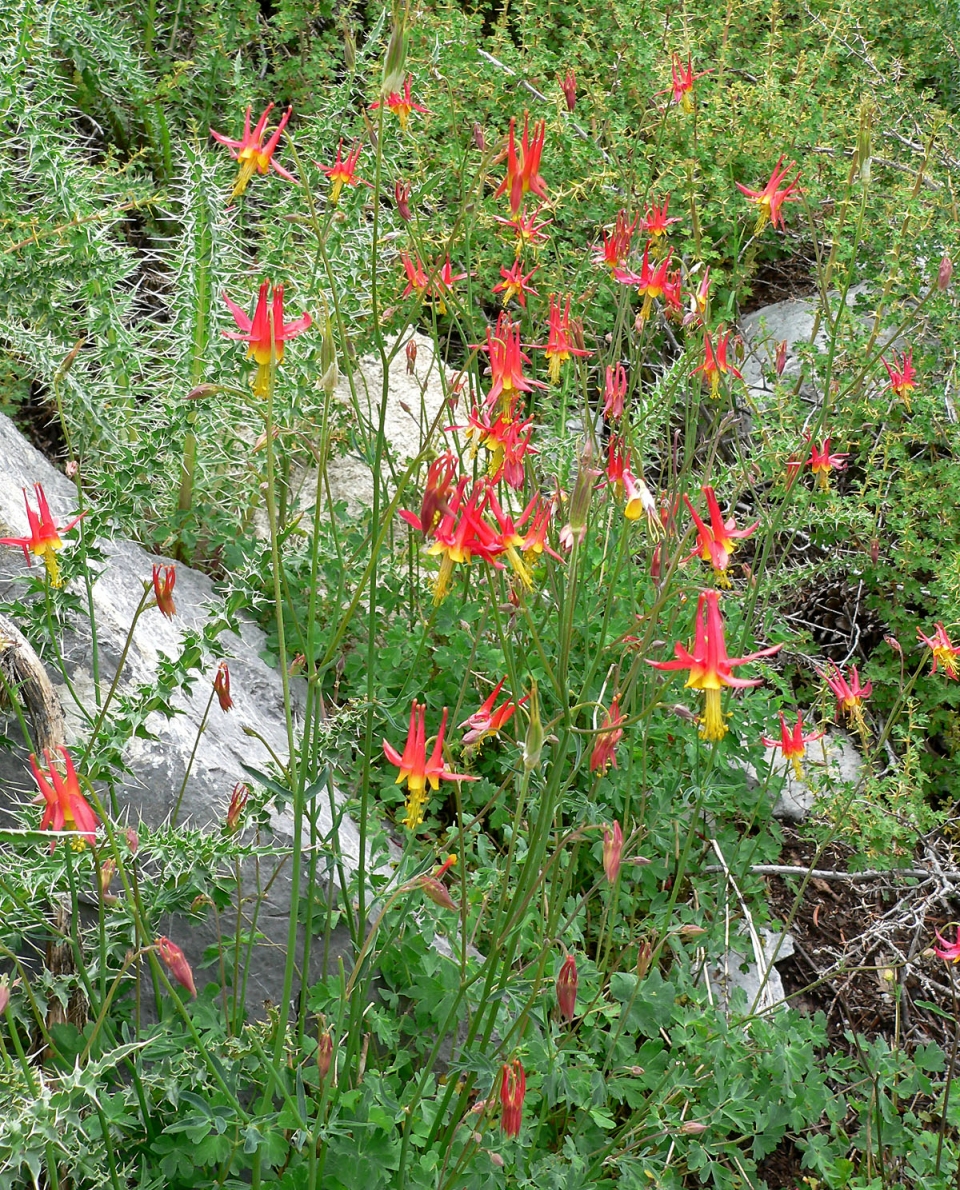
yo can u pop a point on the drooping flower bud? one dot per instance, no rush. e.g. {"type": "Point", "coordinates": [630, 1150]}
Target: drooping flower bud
{"type": "Point", "coordinates": [479, 140]}
{"type": "Point", "coordinates": [533, 741]}
{"type": "Point", "coordinates": [163, 589]}
{"type": "Point", "coordinates": [324, 1054]}
{"type": "Point", "coordinates": [401, 195]}
{"type": "Point", "coordinates": [612, 850]}
{"type": "Point", "coordinates": [566, 988]}
{"type": "Point", "coordinates": [176, 961]}
{"type": "Point", "coordinates": [781, 360]}
{"type": "Point", "coordinates": [513, 1088]}
{"type": "Point", "coordinates": [108, 869]}
{"type": "Point", "coordinates": [644, 957]}
{"type": "Point", "coordinates": [945, 272]}
{"type": "Point", "coordinates": [569, 88]}
{"type": "Point", "coordinates": [221, 685]}
{"type": "Point", "coordinates": [411, 353]}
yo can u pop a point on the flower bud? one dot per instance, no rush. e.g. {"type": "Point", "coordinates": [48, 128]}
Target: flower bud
{"type": "Point", "coordinates": [401, 195]}
{"type": "Point", "coordinates": [569, 88]}
{"type": "Point", "coordinates": [176, 961]}
{"type": "Point", "coordinates": [566, 988]}
{"type": "Point", "coordinates": [436, 890]}
{"type": "Point", "coordinates": [411, 353]}
{"type": "Point", "coordinates": [781, 360]}
{"type": "Point", "coordinates": [163, 589]}
{"type": "Point", "coordinates": [324, 1053]}
{"type": "Point", "coordinates": [4, 996]}
{"type": "Point", "coordinates": [108, 869]}
{"type": "Point", "coordinates": [644, 958]}
{"type": "Point", "coordinates": [612, 850]}
{"type": "Point", "coordinates": [133, 840]}
{"type": "Point", "coordinates": [945, 272]}
{"type": "Point", "coordinates": [221, 686]}
{"type": "Point", "coordinates": [533, 741]}
{"type": "Point", "coordinates": [238, 803]}
{"type": "Point", "coordinates": [513, 1088]}
{"type": "Point", "coordinates": [692, 1128]}
{"type": "Point", "coordinates": [479, 140]}
{"type": "Point", "coordinates": [329, 368]}
{"type": "Point", "coordinates": [582, 493]}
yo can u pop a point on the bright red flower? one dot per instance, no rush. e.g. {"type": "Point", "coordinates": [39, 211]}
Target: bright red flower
{"type": "Point", "coordinates": [944, 651]}
{"type": "Point", "coordinates": [683, 79]}
{"type": "Point", "coordinates": [850, 694]}
{"type": "Point", "coordinates": [488, 719]}
{"type": "Point", "coordinates": [770, 199]}
{"type": "Point", "coordinates": [616, 246]}
{"type": "Point", "coordinates": [221, 686]}
{"type": "Point", "coordinates": [822, 462]}
{"type": "Point", "coordinates": [651, 281]}
{"type": "Point", "coordinates": [463, 534]}
{"type": "Point", "coordinates": [265, 336]}
{"type": "Point", "coordinates": [793, 742]}
{"type": "Point", "coordinates": [66, 809]}
{"type": "Point", "coordinates": [342, 173]}
{"type": "Point", "coordinates": [440, 475]}
{"type": "Point", "coordinates": [710, 667]}
{"type": "Point", "coordinates": [715, 363]}
{"type": "Point", "coordinates": [414, 767]}
{"type": "Point", "coordinates": [163, 589]}
{"type": "Point", "coordinates": [618, 462]}
{"type": "Point", "coordinates": [566, 988]}
{"type": "Point", "coordinates": [523, 172]}
{"type": "Point", "coordinates": [253, 155]}
{"type": "Point", "coordinates": [44, 539]}
{"type": "Point", "coordinates": [903, 376]}
{"type": "Point", "coordinates": [436, 285]}
{"type": "Point", "coordinates": [176, 961]}
{"type": "Point", "coordinates": [515, 284]}
{"type": "Point", "coordinates": [716, 544]}
{"type": "Point", "coordinates": [513, 1088]}
{"type": "Point", "coordinates": [559, 346]}
{"type": "Point", "coordinates": [508, 441]}
{"type": "Point", "coordinates": [610, 734]}
{"type": "Point", "coordinates": [615, 392]}
{"type": "Point", "coordinates": [655, 221]}
{"type": "Point", "coordinates": [401, 104]}
{"type": "Point", "coordinates": [526, 229]}
{"type": "Point", "coordinates": [506, 363]}
{"type": "Point", "coordinates": [612, 850]}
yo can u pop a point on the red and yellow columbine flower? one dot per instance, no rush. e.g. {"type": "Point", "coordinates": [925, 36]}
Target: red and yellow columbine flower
{"type": "Point", "coordinates": [489, 719]}
{"type": "Point", "coordinates": [255, 156]}
{"type": "Point", "coordinates": [461, 535]}
{"type": "Point", "coordinates": [822, 462]}
{"type": "Point", "coordinates": [850, 695]}
{"type": "Point", "coordinates": [655, 221]}
{"type": "Point", "coordinates": [610, 734]}
{"type": "Point", "coordinates": [683, 79]}
{"type": "Point", "coordinates": [902, 376]}
{"type": "Point", "coordinates": [710, 667]}
{"type": "Point", "coordinates": [44, 539]}
{"type": "Point", "coordinates": [506, 363]}
{"type": "Point", "coordinates": [944, 651]}
{"type": "Point", "coordinates": [527, 231]}
{"type": "Point", "coordinates": [640, 502]}
{"type": "Point", "coordinates": [615, 392]}
{"type": "Point", "coordinates": [715, 363]}
{"type": "Point", "coordinates": [716, 544]}
{"type": "Point", "coordinates": [770, 199]}
{"type": "Point", "coordinates": [523, 172]}
{"type": "Point", "coordinates": [515, 284]}
{"type": "Point", "coordinates": [566, 988]}
{"type": "Point", "coordinates": [177, 964]}
{"type": "Point", "coordinates": [436, 494]}
{"type": "Point", "coordinates": [793, 742]}
{"type": "Point", "coordinates": [513, 1088]}
{"type": "Point", "coordinates": [616, 246]}
{"type": "Point", "coordinates": [437, 285]}
{"type": "Point", "coordinates": [342, 173]}
{"type": "Point", "coordinates": [699, 302]}
{"type": "Point", "coordinates": [237, 807]}
{"type": "Point", "coordinates": [650, 282]}
{"type": "Point", "coordinates": [265, 333]}
{"type": "Point", "coordinates": [164, 578]}
{"type": "Point", "coordinates": [414, 767]}
{"type": "Point", "coordinates": [402, 104]}
{"type": "Point", "coordinates": [65, 809]}
{"type": "Point", "coordinates": [559, 347]}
